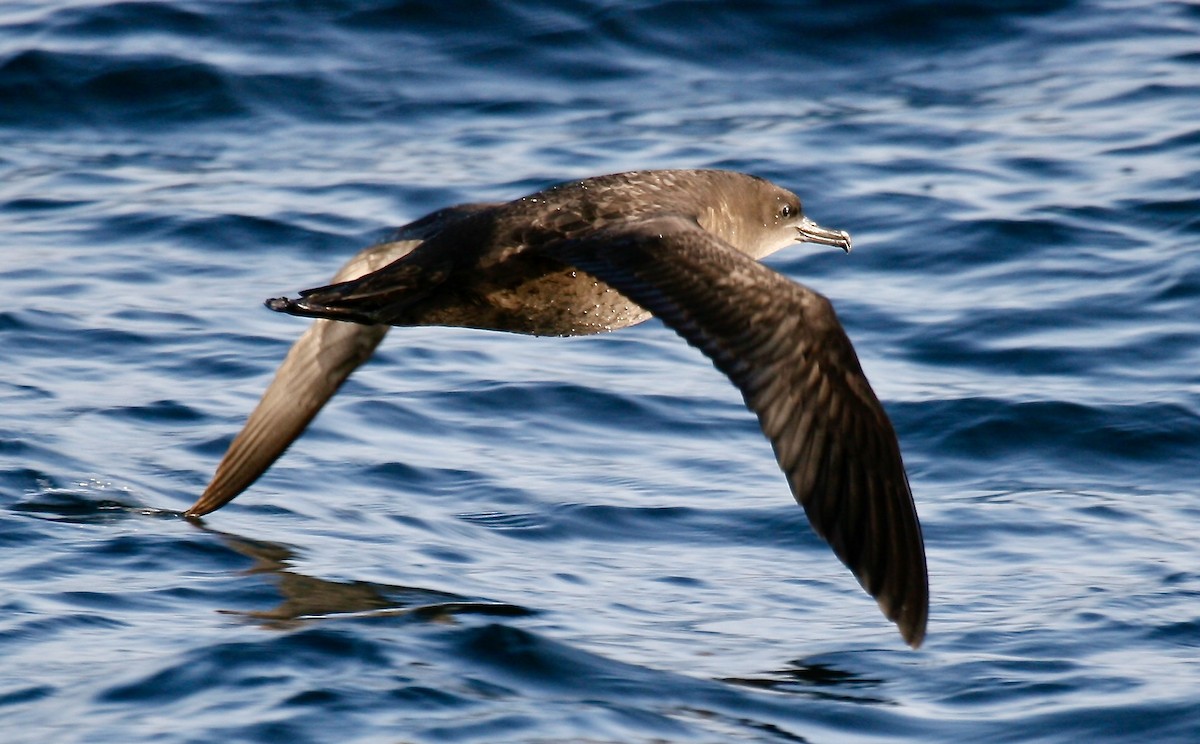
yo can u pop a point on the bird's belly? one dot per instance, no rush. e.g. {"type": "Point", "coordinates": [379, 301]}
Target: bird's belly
{"type": "Point", "coordinates": [564, 303]}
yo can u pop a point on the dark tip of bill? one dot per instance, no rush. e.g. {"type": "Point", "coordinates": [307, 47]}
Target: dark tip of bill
{"type": "Point", "coordinates": [278, 304]}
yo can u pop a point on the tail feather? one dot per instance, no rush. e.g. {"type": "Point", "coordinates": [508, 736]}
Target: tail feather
{"type": "Point", "coordinates": [305, 308]}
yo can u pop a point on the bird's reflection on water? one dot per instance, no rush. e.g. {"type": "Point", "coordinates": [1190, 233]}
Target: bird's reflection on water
{"type": "Point", "coordinates": [307, 598]}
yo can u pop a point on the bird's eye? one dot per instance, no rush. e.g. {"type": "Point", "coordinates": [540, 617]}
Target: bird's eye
{"type": "Point", "coordinates": [785, 210]}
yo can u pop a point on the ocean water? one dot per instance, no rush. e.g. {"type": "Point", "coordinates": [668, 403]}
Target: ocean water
{"type": "Point", "coordinates": [490, 538]}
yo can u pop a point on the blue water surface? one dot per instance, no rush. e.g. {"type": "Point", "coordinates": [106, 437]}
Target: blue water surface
{"type": "Point", "coordinates": [494, 538]}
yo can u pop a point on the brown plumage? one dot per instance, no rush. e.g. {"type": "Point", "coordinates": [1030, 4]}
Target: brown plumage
{"type": "Point", "coordinates": [607, 252]}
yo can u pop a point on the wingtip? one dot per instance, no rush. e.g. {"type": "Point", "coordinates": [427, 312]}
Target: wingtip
{"type": "Point", "coordinates": [195, 511]}
{"type": "Point", "coordinates": [208, 503]}
{"type": "Point", "coordinates": [913, 635]}
{"type": "Point", "coordinates": [912, 617]}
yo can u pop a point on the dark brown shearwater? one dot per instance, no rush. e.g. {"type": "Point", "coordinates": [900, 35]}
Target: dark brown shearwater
{"type": "Point", "coordinates": [604, 253]}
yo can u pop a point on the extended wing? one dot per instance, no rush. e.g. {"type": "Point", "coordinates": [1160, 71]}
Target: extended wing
{"type": "Point", "coordinates": [782, 345]}
{"type": "Point", "coordinates": [315, 367]}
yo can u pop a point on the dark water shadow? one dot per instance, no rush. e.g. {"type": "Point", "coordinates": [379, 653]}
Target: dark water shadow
{"type": "Point", "coordinates": [815, 679]}
{"type": "Point", "coordinates": [85, 505]}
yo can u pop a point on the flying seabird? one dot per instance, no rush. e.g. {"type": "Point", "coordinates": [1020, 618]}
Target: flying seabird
{"type": "Point", "coordinates": [608, 252]}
